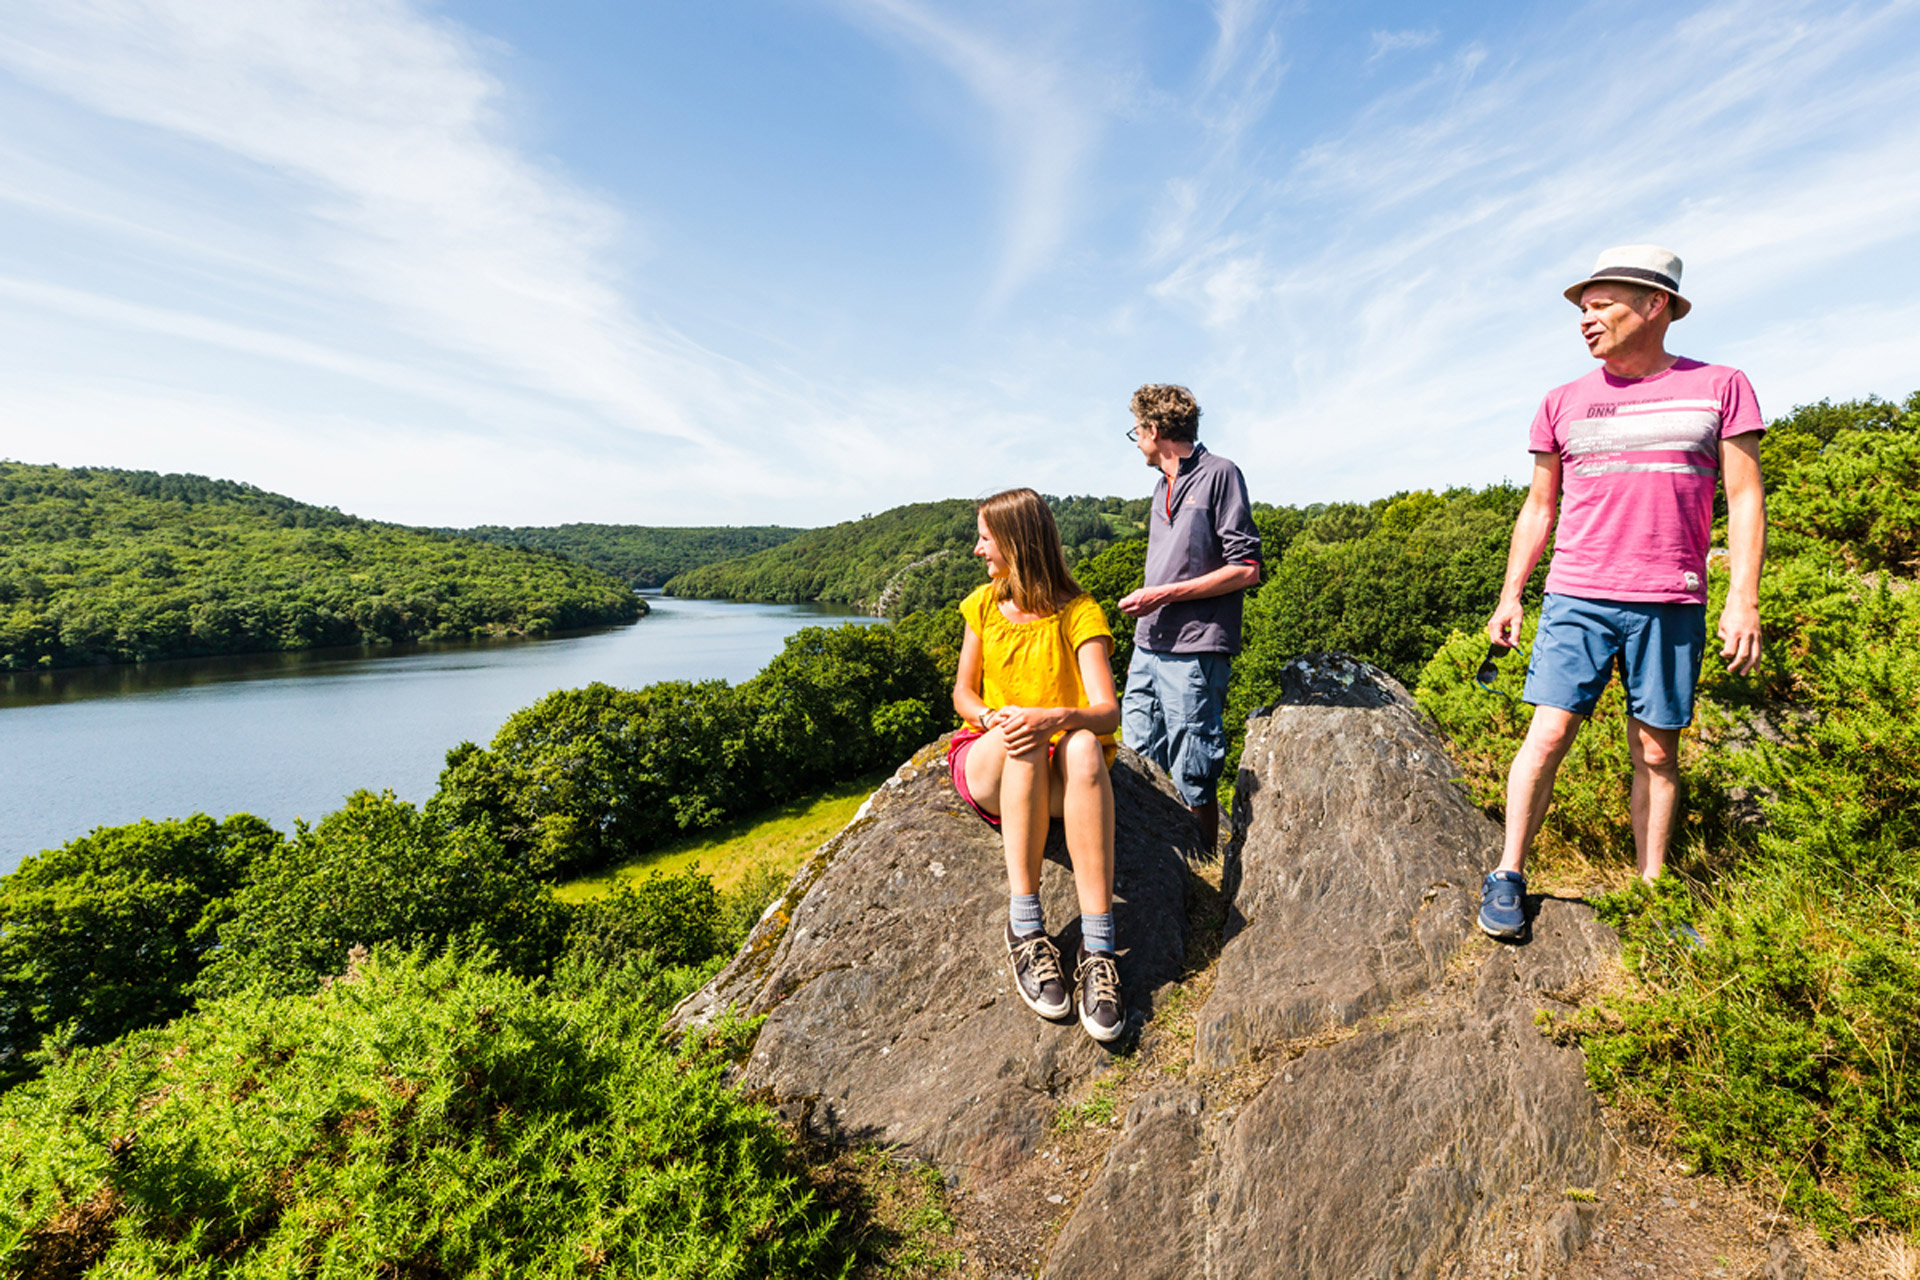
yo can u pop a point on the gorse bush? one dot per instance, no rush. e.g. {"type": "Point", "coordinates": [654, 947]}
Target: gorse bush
{"type": "Point", "coordinates": [419, 1117]}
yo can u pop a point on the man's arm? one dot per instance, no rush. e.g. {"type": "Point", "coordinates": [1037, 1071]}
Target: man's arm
{"type": "Point", "coordinates": [1530, 533]}
{"type": "Point", "coordinates": [1239, 547]}
{"type": "Point", "coordinates": [1228, 577]}
{"type": "Point", "coordinates": [1746, 550]}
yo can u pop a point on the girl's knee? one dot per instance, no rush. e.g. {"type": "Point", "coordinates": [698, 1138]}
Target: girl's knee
{"type": "Point", "coordinates": [1083, 754]}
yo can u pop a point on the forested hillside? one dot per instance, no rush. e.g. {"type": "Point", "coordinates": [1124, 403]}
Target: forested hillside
{"type": "Point", "coordinates": [900, 561]}
{"type": "Point", "coordinates": [100, 565]}
{"type": "Point", "coordinates": [639, 555]}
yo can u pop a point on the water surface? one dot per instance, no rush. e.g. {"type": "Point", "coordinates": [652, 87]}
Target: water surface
{"type": "Point", "coordinates": [289, 734]}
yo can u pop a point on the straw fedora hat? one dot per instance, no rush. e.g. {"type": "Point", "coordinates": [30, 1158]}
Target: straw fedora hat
{"type": "Point", "coordinates": [1644, 264]}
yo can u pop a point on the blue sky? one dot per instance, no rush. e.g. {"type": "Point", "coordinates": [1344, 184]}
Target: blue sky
{"type": "Point", "coordinates": [797, 260]}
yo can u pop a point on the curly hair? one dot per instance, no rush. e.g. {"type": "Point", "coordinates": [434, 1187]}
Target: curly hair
{"type": "Point", "coordinates": [1169, 409]}
{"type": "Point", "coordinates": [1038, 580]}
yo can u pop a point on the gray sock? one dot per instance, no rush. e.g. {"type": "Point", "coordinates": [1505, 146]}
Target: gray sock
{"type": "Point", "coordinates": [1024, 911]}
{"type": "Point", "coordinates": [1096, 932]}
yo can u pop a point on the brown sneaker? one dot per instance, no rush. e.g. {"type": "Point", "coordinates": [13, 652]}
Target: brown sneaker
{"type": "Point", "coordinates": [1036, 973]}
{"type": "Point", "coordinates": [1101, 1011]}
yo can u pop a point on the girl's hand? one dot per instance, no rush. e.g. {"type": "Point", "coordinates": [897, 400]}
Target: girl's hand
{"type": "Point", "coordinates": [1022, 727]}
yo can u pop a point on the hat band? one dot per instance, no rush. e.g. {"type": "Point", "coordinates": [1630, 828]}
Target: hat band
{"type": "Point", "coordinates": [1639, 273]}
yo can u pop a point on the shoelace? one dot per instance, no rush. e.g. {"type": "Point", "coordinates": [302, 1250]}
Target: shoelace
{"type": "Point", "coordinates": [1104, 974]}
{"type": "Point", "coordinates": [1041, 960]}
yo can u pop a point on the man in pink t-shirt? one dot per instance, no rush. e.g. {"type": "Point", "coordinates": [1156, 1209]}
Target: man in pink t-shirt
{"type": "Point", "coordinates": [1628, 457]}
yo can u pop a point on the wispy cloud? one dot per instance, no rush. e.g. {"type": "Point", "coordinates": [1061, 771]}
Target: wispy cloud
{"type": "Point", "coordinates": [1386, 42]}
{"type": "Point", "coordinates": [390, 126]}
{"type": "Point", "coordinates": [1045, 126]}
{"type": "Point", "coordinates": [1413, 297]}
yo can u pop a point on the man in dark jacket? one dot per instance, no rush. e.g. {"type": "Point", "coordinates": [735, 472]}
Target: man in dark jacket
{"type": "Point", "coordinates": [1203, 552]}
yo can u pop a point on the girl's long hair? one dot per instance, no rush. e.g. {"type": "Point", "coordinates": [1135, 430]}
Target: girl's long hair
{"type": "Point", "coordinates": [1038, 580]}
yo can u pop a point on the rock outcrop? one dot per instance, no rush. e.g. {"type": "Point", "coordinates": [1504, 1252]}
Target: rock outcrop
{"type": "Point", "coordinates": [1413, 1121]}
{"type": "Point", "coordinates": [890, 1014]}
{"type": "Point", "coordinates": [1355, 866]}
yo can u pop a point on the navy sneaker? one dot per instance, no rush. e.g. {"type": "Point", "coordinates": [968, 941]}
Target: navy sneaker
{"type": "Point", "coordinates": [1036, 973]}
{"type": "Point", "coordinates": [1101, 1011]}
{"type": "Point", "coordinates": [1502, 910]}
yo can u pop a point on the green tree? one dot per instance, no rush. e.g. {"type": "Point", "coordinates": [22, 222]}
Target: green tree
{"type": "Point", "coordinates": [377, 871]}
{"type": "Point", "coordinates": [126, 566]}
{"type": "Point", "coordinates": [108, 932]}
{"type": "Point", "coordinates": [591, 776]}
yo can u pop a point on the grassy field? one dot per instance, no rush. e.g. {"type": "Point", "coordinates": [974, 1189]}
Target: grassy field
{"type": "Point", "coordinates": [778, 840]}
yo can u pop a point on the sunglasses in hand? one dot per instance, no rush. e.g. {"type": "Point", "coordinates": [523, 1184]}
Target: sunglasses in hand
{"type": "Point", "coordinates": [1490, 669]}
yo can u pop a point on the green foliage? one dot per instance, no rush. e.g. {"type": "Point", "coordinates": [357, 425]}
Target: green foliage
{"type": "Point", "coordinates": [126, 566]}
{"type": "Point", "coordinates": [849, 563]}
{"type": "Point", "coordinates": [588, 777]}
{"type": "Point", "coordinates": [907, 560]}
{"type": "Point", "coordinates": [1112, 574]}
{"type": "Point", "coordinates": [1807, 430]}
{"type": "Point", "coordinates": [108, 932]}
{"type": "Point", "coordinates": [420, 1117]}
{"type": "Point", "coordinates": [1387, 582]}
{"type": "Point", "coordinates": [680, 919]}
{"type": "Point", "coordinates": [378, 871]}
{"type": "Point", "coordinates": [1860, 496]}
{"type": "Point", "coordinates": [636, 554]}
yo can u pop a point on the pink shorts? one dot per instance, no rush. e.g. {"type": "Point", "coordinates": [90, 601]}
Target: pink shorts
{"type": "Point", "coordinates": [961, 743]}
{"type": "Point", "coordinates": [963, 740]}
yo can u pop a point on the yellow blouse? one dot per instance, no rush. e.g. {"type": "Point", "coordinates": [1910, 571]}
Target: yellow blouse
{"type": "Point", "coordinates": [1032, 664]}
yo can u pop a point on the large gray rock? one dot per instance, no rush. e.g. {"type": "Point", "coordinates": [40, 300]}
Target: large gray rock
{"type": "Point", "coordinates": [1355, 865]}
{"type": "Point", "coordinates": [1421, 1139]}
{"type": "Point", "coordinates": [1430, 1142]}
{"type": "Point", "coordinates": [1407, 1118]}
{"type": "Point", "coordinates": [1138, 1221]}
{"type": "Point", "coordinates": [890, 1014]}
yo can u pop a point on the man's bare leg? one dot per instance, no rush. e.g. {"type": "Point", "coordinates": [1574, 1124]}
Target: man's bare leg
{"type": "Point", "coordinates": [1656, 793]}
{"type": "Point", "coordinates": [1530, 780]}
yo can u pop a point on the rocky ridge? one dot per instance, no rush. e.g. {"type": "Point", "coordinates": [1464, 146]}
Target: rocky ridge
{"type": "Point", "coordinates": [1366, 1091]}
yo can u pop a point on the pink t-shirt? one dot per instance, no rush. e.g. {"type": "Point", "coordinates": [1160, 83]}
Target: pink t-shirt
{"type": "Point", "coordinates": [1638, 462]}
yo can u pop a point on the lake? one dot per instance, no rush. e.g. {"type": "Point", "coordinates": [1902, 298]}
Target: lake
{"type": "Point", "coordinates": [287, 735]}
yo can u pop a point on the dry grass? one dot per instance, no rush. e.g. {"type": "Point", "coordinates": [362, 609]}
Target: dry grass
{"type": "Point", "coordinates": [1894, 1257]}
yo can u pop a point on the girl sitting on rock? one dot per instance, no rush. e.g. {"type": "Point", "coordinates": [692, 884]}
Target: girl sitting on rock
{"type": "Point", "coordinates": [1036, 691]}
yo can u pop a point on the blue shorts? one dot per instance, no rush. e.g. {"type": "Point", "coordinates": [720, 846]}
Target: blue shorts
{"type": "Point", "coordinates": [1172, 714]}
{"type": "Point", "coordinates": [1658, 647]}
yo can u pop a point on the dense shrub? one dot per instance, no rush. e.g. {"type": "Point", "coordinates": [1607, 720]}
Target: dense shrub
{"type": "Point", "coordinates": [107, 932]}
{"type": "Point", "coordinates": [1112, 574]}
{"type": "Point", "coordinates": [420, 1117]}
{"type": "Point", "coordinates": [378, 871]}
{"type": "Point", "coordinates": [678, 919]}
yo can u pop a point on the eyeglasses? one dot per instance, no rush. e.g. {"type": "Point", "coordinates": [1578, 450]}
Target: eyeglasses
{"type": "Point", "coordinates": [1133, 433]}
{"type": "Point", "coordinates": [1489, 668]}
